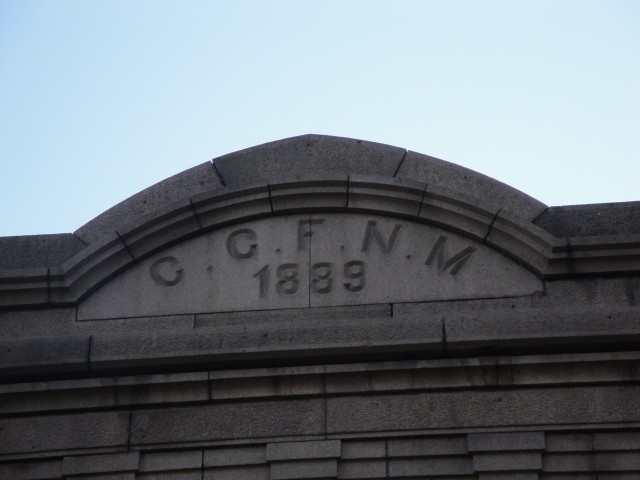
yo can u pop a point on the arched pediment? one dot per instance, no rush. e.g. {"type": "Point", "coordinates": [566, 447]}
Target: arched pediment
{"type": "Point", "coordinates": [322, 259]}
{"type": "Point", "coordinates": [311, 175]}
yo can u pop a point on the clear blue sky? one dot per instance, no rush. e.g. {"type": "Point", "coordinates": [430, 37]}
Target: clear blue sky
{"type": "Point", "coordinates": [101, 99]}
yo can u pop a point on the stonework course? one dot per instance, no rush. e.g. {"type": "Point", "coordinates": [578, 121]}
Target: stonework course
{"type": "Point", "coordinates": [322, 307]}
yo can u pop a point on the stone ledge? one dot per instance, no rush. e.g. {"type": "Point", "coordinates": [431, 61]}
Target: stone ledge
{"type": "Point", "coordinates": [315, 381]}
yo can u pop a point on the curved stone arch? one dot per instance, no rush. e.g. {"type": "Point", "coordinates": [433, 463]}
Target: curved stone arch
{"type": "Point", "coordinates": [287, 178]}
{"type": "Point", "coordinates": [101, 261]}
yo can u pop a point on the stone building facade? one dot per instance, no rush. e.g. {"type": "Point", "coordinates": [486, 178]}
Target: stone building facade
{"type": "Point", "coordinates": [322, 307]}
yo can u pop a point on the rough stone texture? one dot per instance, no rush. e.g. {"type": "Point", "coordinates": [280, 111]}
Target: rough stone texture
{"type": "Point", "coordinates": [302, 450]}
{"type": "Point", "coordinates": [410, 412]}
{"type": "Point", "coordinates": [328, 194]}
{"type": "Point", "coordinates": [488, 442]}
{"type": "Point", "coordinates": [308, 156]}
{"type": "Point", "coordinates": [439, 173]}
{"type": "Point", "coordinates": [55, 433]}
{"type": "Point", "coordinates": [250, 472]}
{"type": "Point", "coordinates": [154, 462]}
{"type": "Point", "coordinates": [569, 462]}
{"type": "Point", "coordinates": [307, 469]}
{"type": "Point", "coordinates": [220, 422]}
{"type": "Point", "coordinates": [365, 449]}
{"type": "Point", "coordinates": [399, 198]}
{"type": "Point", "coordinates": [592, 220]}
{"type": "Point", "coordinates": [226, 457]}
{"type": "Point", "coordinates": [617, 441]}
{"type": "Point", "coordinates": [188, 183]}
{"type": "Point", "coordinates": [36, 323]}
{"type": "Point", "coordinates": [436, 446]}
{"type": "Point", "coordinates": [568, 442]}
{"type": "Point", "coordinates": [46, 470]}
{"type": "Point", "coordinates": [32, 251]}
{"type": "Point", "coordinates": [339, 338]}
{"type": "Point", "coordinates": [520, 461]}
{"type": "Point", "coordinates": [104, 392]}
{"type": "Point", "coordinates": [44, 355]}
{"type": "Point", "coordinates": [442, 466]}
{"type": "Point", "coordinates": [114, 462]}
{"type": "Point", "coordinates": [175, 475]}
{"type": "Point", "coordinates": [318, 314]}
{"type": "Point", "coordinates": [619, 461]}
{"type": "Point", "coordinates": [362, 469]}
{"type": "Point", "coordinates": [511, 476]}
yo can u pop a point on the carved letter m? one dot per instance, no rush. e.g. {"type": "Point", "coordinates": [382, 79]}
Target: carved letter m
{"type": "Point", "coordinates": [439, 250]}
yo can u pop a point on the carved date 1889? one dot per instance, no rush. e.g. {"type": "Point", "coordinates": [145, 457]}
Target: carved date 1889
{"type": "Point", "coordinates": [321, 278]}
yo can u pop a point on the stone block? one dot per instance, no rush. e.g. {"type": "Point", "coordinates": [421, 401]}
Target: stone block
{"type": "Point", "coordinates": [542, 327]}
{"type": "Point", "coordinates": [113, 462]}
{"type": "Point", "coordinates": [456, 212]}
{"type": "Point", "coordinates": [152, 232]}
{"type": "Point", "coordinates": [303, 450]}
{"type": "Point", "coordinates": [188, 183]}
{"type": "Point", "coordinates": [618, 461]}
{"type": "Point", "coordinates": [170, 347]}
{"type": "Point", "coordinates": [304, 469]}
{"type": "Point", "coordinates": [592, 220]}
{"type": "Point", "coordinates": [616, 476]}
{"type": "Point", "coordinates": [427, 376]}
{"type": "Point", "coordinates": [364, 469]}
{"type": "Point", "coordinates": [435, 446]}
{"type": "Point", "coordinates": [439, 173]}
{"type": "Point", "coordinates": [569, 462]}
{"type": "Point", "coordinates": [591, 291]}
{"type": "Point", "coordinates": [59, 433]}
{"type": "Point", "coordinates": [135, 324]}
{"type": "Point", "coordinates": [24, 287]}
{"type": "Point", "coordinates": [249, 472]}
{"type": "Point", "coordinates": [308, 156]}
{"type": "Point", "coordinates": [36, 470]}
{"type": "Point", "coordinates": [276, 386]}
{"type": "Point", "coordinates": [316, 314]}
{"type": "Point", "coordinates": [103, 392]}
{"type": "Point", "coordinates": [44, 355]}
{"type": "Point", "coordinates": [483, 462]}
{"type": "Point", "coordinates": [513, 476]}
{"type": "Point", "coordinates": [364, 449]}
{"type": "Point", "coordinates": [516, 441]}
{"type": "Point", "coordinates": [104, 476]}
{"type": "Point", "coordinates": [167, 461]}
{"type": "Point", "coordinates": [616, 441]}
{"type": "Point", "coordinates": [523, 241]}
{"type": "Point", "coordinates": [326, 194]}
{"type": "Point", "coordinates": [88, 269]}
{"type": "Point", "coordinates": [36, 323]}
{"type": "Point", "coordinates": [175, 475]}
{"type": "Point", "coordinates": [568, 442]}
{"type": "Point", "coordinates": [37, 251]}
{"type": "Point", "coordinates": [416, 412]}
{"type": "Point", "coordinates": [423, 467]}
{"type": "Point", "coordinates": [230, 457]}
{"type": "Point", "coordinates": [370, 194]}
{"type": "Point", "coordinates": [231, 205]}
{"type": "Point", "coordinates": [249, 420]}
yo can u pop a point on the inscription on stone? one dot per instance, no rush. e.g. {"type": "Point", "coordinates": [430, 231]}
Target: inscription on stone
{"type": "Point", "coordinates": [166, 271]}
{"type": "Point", "coordinates": [310, 260]}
